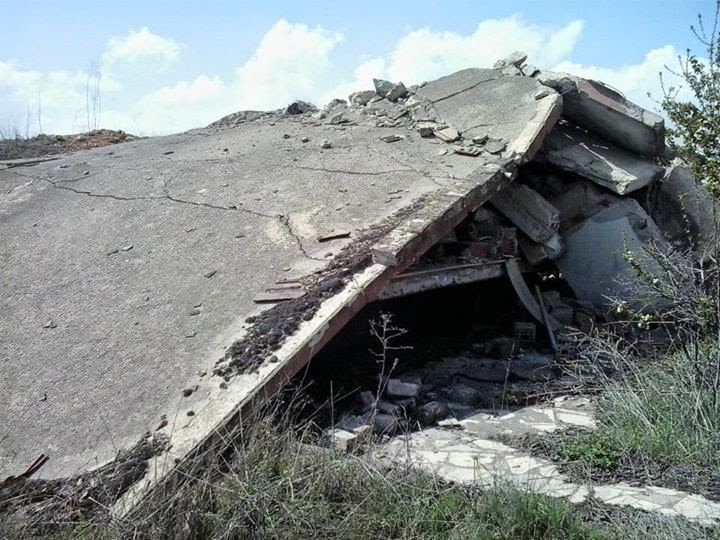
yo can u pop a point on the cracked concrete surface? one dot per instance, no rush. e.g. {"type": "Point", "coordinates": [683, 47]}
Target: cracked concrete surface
{"type": "Point", "coordinates": [129, 270]}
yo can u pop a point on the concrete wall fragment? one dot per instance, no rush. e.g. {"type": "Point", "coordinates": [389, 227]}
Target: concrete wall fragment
{"type": "Point", "coordinates": [589, 156]}
{"type": "Point", "coordinates": [606, 112]}
{"type": "Point", "coordinates": [529, 211]}
{"type": "Point", "coordinates": [594, 265]}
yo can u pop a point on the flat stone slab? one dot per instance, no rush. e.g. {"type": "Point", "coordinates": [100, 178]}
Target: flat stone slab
{"type": "Point", "coordinates": [466, 454]}
{"type": "Point", "coordinates": [606, 112]}
{"type": "Point", "coordinates": [129, 270]}
{"type": "Point", "coordinates": [589, 156]}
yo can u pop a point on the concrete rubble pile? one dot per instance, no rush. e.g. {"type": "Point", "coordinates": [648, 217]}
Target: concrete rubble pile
{"type": "Point", "coordinates": [602, 182]}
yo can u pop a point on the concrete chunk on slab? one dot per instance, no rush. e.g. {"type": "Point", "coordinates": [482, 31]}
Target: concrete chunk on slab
{"type": "Point", "coordinates": [589, 156]}
{"type": "Point", "coordinates": [600, 109]}
{"type": "Point", "coordinates": [682, 207]}
{"type": "Point", "coordinates": [481, 102]}
{"type": "Point", "coordinates": [594, 264]}
{"type": "Point", "coordinates": [529, 211]}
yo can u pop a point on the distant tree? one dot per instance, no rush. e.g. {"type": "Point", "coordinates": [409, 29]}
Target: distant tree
{"type": "Point", "coordinates": [695, 130]}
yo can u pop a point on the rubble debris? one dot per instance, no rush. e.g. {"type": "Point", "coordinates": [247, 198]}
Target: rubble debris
{"type": "Point", "coordinates": [300, 107]}
{"type": "Point", "coordinates": [529, 211]}
{"type": "Point", "coordinates": [398, 388]}
{"type": "Point", "coordinates": [362, 97]}
{"type": "Point", "coordinates": [473, 151]}
{"type": "Point", "coordinates": [388, 90]}
{"type": "Point", "coordinates": [325, 145]}
{"type": "Point", "coordinates": [426, 129]}
{"type": "Point", "coordinates": [604, 111]}
{"type": "Point", "coordinates": [275, 296]}
{"type": "Point", "coordinates": [515, 59]}
{"type": "Point", "coordinates": [494, 146]}
{"type": "Point", "coordinates": [391, 138]}
{"type": "Point", "coordinates": [594, 264]}
{"type": "Point", "coordinates": [585, 154]}
{"type": "Point", "coordinates": [333, 235]}
{"type": "Point", "coordinates": [579, 201]}
{"type": "Point", "coordinates": [447, 134]}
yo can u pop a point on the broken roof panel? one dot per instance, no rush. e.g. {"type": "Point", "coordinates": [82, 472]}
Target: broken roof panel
{"type": "Point", "coordinates": [215, 217]}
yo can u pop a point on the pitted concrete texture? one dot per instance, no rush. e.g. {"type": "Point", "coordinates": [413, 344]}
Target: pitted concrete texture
{"type": "Point", "coordinates": [463, 452]}
{"type": "Point", "coordinates": [126, 270]}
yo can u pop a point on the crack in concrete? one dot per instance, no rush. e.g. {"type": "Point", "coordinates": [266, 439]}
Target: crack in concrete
{"type": "Point", "coordinates": [357, 173]}
{"type": "Point", "coordinates": [282, 218]}
{"type": "Point", "coordinates": [285, 221]}
{"type": "Point", "coordinates": [165, 197]}
{"type": "Point", "coordinates": [438, 100]}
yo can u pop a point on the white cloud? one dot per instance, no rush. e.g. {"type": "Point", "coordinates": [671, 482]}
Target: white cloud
{"type": "Point", "coordinates": [427, 54]}
{"type": "Point", "coordinates": [141, 45]}
{"type": "Point", "coordinates": [292, 61]}
{"type": "Point", "coordinates": [635, 81]}
{"type": "Point", "coordinates": [289, 63]}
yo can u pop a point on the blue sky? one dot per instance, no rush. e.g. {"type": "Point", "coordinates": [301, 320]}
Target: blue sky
{"type": "Point", "coordinates": [169, 66]}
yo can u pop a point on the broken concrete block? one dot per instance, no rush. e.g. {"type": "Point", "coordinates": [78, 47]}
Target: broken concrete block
{"type": "Point", "coordinates": [362, 97]}
{"type": "Point", "coordinates": [382, 87]}
{"type": "Point", "coordinates": [589, 156]}
{"type": "Point", "coordinates": [515, 59]}
{"type": "Point", "coordinates": [396, 92]}
{"type": "Point", "coordinates": [385, 424]}
{"type": "Point", "coordinates": [426, 129]}
{"type": "Point", "coordinates": [501, 347]}
{"type": "Point", "coordinates": [388, 407]}
{"type": "Point", "coordinates": [683, 209]}
{"type": "Point", "coordinates": [432, 412]}
{"type": "Point", "coordinates": [344, 441]}
{"type": "Point", "coordinates": [594, 264]}
{"type": "Point", "coordinates": [300, 107]}
{"type": "Point", "coordinates": [461, 393]}
{"type": "Point", "coordinates": [494, 146]}
{"type": "Point", "coordinates": [398, 388]}
{"type": "Point", "coordinates": [604, 111]}
{"type": "Point", "coordinates": [447, 134]}
{"type": "Point", "coordinates": [529, 211]}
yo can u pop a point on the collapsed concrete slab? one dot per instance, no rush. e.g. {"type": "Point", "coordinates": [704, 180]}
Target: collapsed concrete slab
{"type": "Point", "coordinates": [606, 112]}
{"type": "Point", "coordinates": [134, 271]}
{"type": "Point", "coordinates": [594, 264]}
{"type": "Point", "coordinates": [683, 209]}
{"type": "Point", "coordinates": [582, 153]}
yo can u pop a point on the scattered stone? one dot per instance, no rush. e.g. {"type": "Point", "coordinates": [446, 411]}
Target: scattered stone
{"type": "Point", "coordinates": [387, 407]}
{"type": "Point", "coordinates": [286, 135]}
{"type": "Point", "coordinates": [432, 412]}
{"type": "Point", "coordinates": [342, 440]}
{"type": "Point", "coordinates": [305, 140]}
{"type": "Point", "coordinates": [300, 107]}
{"type": "Point", "coordinates": [190, 413]}
{"type": "Point", "coordinates": [210, 274]}
{"type": "Point", "coordinates": [187, 392]}
{"type": "Point", "coordinates": [391, 138]}
{"type": "Point", "coordinates": [163, 422]}
{"type": "Point", "coordinates": [529, 211]}
{"type": "Point", "coordinates": [50, 324]}
{"type": "Point", "coordinates": [325, 145]}
{"type": "Point", "coordinates": [515, 59]}
{"type": "Point", "coordinates": [362, 97]}
{"type": "Point", "coordinates": [398, 388]}
{"type": "Point", "coordinates": [447, 134]}
{"type": "Point", "coordinates": [385, 424]}
{"type": "Point", "coordinates": [194, 312]}
{"type": "Point", "coordinates": [473, 151]}
{"type": "Point", "coordinates": [495, 146]}
{"type": "Point", "coordinates": [382, 87]}
{"type": "Point", "coordinates": [396, 92]}
{"type": "Point", "coordinates": [426, 129]}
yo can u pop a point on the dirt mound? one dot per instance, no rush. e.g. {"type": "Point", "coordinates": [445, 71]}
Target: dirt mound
{"type": "Point", "coordinates": [42, 145]}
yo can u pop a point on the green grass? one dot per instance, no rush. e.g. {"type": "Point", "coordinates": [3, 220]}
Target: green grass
{"type": "Point", "coordinates": [667, 410]}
